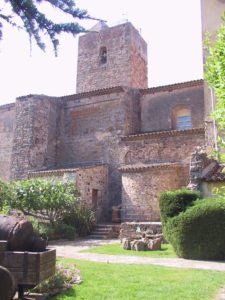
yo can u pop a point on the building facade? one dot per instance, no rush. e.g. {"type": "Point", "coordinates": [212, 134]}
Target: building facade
{"type": "Point", "coordinates": [121, 142]}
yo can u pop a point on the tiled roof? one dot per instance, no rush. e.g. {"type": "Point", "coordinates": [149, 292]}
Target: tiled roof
{"type": "Point", "coordinates": [7, 106]}
{"type": "Point", "coordinates": [171, 87]}
{"type": "Point", "coordinates": [116, 89]}
{"type": "Point", "coordinates": [55, 172]}
{"type": "Point", "coordinates": [217, 174]}
{"type": "Point", "coordinates": [155, 134]}
{"type": "Point", "coordinates": [141, 166]}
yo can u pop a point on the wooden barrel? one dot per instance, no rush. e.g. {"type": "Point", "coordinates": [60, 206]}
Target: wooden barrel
{"type": "Point", "coordinates": [20, 235]}
{"type": "Point", "coordinates": [7, 284]}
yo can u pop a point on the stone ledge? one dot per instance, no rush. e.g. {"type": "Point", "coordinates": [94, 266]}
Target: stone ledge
{"type": "Point", "coordinates": [141, 167]}
{"type": "Point", "coordinates": [171, 87]}
{"type": "Point", "coordinates": [116, 89]}
{"type": "Point", "coordinates": [7, 106]}
{"type": "Point", "coordinates": [59, 172]}
{"type": "Point", "coordinates": [165, 133]}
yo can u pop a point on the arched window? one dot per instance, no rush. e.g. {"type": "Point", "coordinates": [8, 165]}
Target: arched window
{"type": "Point", "coordinates": [181, 118]}
{"type": "Point", "coordinates": [103, 55]}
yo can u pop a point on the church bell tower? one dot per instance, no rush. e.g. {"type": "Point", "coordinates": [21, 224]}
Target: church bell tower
{"type": "Point", "coordinates": [111, 56]}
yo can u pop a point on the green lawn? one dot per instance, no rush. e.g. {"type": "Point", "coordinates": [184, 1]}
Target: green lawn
{"type": "Point", "coordinates": [102, 281]}
{"type": "Point", "coordinates": [116, 249]}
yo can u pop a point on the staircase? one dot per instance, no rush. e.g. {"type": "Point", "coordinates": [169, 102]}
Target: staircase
{"type": "Point", "coordinates": [105, 231]}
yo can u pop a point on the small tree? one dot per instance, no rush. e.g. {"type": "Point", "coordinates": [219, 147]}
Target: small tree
{"type": "Point", "coordinates": [44, 198]}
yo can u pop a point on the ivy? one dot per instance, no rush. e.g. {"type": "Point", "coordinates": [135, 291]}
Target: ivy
{"type": "Point", "coordinates": [215, 76]}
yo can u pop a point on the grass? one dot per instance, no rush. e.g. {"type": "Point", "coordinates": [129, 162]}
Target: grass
{"type": "Point", "coordinates": [116, 249]}
{"type": "Point", "coordinates": [102, 281]}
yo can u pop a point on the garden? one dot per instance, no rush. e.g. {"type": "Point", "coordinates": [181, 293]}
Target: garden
{"type": "Point", "coordinates": [193, 226]}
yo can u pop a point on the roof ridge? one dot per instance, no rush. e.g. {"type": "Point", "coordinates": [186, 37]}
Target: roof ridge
{"type": "Point", "coordinates": [178, 85]}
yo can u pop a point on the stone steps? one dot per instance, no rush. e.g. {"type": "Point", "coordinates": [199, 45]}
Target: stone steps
{"type": "Point", "coordinates": [105, 231]}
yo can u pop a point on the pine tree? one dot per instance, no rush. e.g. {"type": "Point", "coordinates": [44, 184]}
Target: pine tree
{"type": "Point", "coordinates": [37, 23]}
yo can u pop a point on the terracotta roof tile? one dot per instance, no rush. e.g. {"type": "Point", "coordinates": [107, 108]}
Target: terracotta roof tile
{"type": "Point", "coordinates": [55, 172]}
{"type": "Point", "coordinates": [7, 106]}
{"type": "Point", "coordinates": [165, 133]}
{"type": "Point", "coordinates": [141, 166]}
{"type": "Point", "coordinates": [217, 174]}
{"type": "Point", "coordinates": [171, 87]}
{"type": "Point", "coordinates": [116, 89]}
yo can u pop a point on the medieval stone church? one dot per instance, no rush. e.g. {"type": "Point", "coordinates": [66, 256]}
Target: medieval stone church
{"type": "Point", "coordinates": [121, 142]}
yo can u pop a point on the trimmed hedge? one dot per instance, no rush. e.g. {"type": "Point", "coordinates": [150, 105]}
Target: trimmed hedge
{"type": "Point", "coordinates": [173, 202]}
{"type": "Point", "coordinates": [198, 232]}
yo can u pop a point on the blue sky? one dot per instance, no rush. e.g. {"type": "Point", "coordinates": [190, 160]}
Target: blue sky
{"type": "Point", "coordinates": [172, 30]}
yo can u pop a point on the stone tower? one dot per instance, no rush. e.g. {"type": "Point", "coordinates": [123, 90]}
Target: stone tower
{"type": "Point", "coordinates": [108, 57]}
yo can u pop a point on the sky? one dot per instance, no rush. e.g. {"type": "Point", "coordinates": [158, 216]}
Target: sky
{"type": "Point", "coordinates": [172, 30]}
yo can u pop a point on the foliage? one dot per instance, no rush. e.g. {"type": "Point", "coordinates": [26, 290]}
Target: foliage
{"type": "Point", "coordinates": [53, 231]}
{"type": "Point", "coordinates": [173, 202]}
{"type": "Point", "coordinates": [116, 249]}
{"type": "Point", "coordinates": [123, 281]}
{"type": "Point", "coordinates": [198, 232]}
{"type": "Point", "coordinates": [50, 199]}
{"type": "Point", "coordinates": [37, 24]}
{"type": "Point", "coordinates": [215, 74]}
{"type": "Point", "coordinates": [65, 277]}
{"type": "Point", "coordinates": [81, 218]}
{"type": "Point", "coordinates": [5, 196]}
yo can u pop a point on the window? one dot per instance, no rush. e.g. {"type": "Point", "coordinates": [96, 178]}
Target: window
{"type": "Point", "coordinates": [181, 118]}
{"type": "Point", "coordinates": [103, 55]}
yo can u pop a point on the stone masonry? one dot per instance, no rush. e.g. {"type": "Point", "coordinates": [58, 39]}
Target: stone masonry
{"type": "Point", "coordinates": [121, 142]}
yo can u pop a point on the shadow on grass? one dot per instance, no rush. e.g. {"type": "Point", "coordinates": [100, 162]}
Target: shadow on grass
{"type": "Point", "coordinates": [71, 293]}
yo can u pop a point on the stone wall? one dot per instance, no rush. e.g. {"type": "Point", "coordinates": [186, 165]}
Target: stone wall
{"type": "Point", "coordinates": [35, 135]}
{"type": "Point", "coordinates": [126, 59]}
{"type": "Point", "coordinates": [141, 188]}
{"type": "Point", "coordinates": [7, 116]}
{"type": "Point", "coordinates": [130, 230]}
{"type": "Point", "coordinates": [163, 146]}
{"type": "Point", "coordinates": [90, 129]}
{"type": "Point", "coordinates": [157, 105]}
{"type": "Point", "coordinates": [92, 183]}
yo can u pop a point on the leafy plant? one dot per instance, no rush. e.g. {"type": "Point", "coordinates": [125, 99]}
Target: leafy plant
{"type": "Point", "coordinates": [65, 277]}
{"type": "Point", "coordinates": [49, 199]}
{"type": "Point", "coordinates": [81, 218]}
{"type": "Point", "coordinates": [214, 75]}
{"type": "Point", "coordinates": [5, 196]}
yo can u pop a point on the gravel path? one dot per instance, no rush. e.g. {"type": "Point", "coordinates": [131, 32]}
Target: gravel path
{"type": "Point", "coordinates": [70, 249]}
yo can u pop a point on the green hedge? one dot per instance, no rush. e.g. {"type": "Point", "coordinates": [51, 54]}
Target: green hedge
{"type": "Point", "coordinates": [199, 232]}
{"type": "Point", "coordinates": [173, 202]}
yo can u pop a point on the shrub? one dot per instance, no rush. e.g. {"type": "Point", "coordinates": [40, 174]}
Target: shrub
{"type": "Point", "coordinates": [64, 278]}
{"type": "Point", "coordinates": [5, 196]}
{"type": "Point", "coordinates": [53, 231]}
{"type": "Point", "coordinates": [81, 218]}
{"type": "Point", "coordinates": [47, 198]}
{"type": "Point", "coordinates": [198, 232]}
{"type": "Point", "coordinates": [173, 202]}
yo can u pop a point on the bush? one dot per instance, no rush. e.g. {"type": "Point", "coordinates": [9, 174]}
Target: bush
{"type": "Point", "coordinates": [53, 231]}
{"type": "Point", "coordinates": [81, 218]}
{"type": "Point", "coordinates": [64, 278]}
{"type": "Point", "coordinates": [198, 232]}
{"type": "Point", "coordinates": [5, 196]}
{"type": "Point", "coordinates": [173, 202]}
